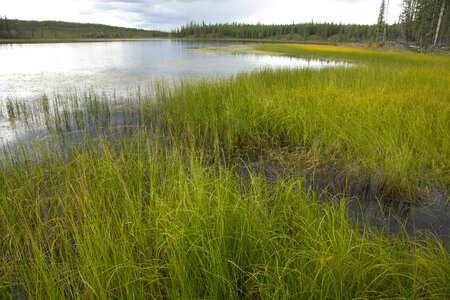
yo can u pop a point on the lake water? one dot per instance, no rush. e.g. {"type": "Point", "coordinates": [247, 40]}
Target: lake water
{"type": "Point", "coordinates": [29, 70]}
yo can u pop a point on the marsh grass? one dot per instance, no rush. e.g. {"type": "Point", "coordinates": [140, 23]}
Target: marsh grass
{"type": "Point", "coordinates": [158, 209]}
{"type": "Point", "coordinates": [140, 219]}
{"type": "Point", "coordinates": [385, 118]}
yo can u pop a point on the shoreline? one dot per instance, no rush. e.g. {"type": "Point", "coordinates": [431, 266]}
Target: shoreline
{"type": "Point", "coordinates": [199, 39]}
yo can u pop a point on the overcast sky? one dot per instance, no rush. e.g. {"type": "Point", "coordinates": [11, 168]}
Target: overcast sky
{"type": "Point", "coordinates": [170, 14]}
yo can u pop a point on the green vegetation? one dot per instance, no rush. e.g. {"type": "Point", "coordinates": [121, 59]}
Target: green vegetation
{"type": "Point", "coordinates": [426, 22]}
{"type": "Point", "coordinates": [385, 119]}
{"type": "Point", "coordinates": [316, 32]}
{"type": "Point", "coordinates": [155, 204]}
{"type": "Point", "coordinates": [55, 30]}
{"type": "Point", "coordinates": [138, 220]}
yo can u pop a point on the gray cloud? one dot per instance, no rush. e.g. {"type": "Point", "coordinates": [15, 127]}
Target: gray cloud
{"type": "Point", "coordinates": [170, 14]}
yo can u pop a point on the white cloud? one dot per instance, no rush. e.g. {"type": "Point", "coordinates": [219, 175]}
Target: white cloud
{"type": "Point", "coordinates": [344, 11]}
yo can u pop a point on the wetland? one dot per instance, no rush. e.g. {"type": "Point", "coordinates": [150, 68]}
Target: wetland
{"type": "Point", "coordinates": [194, 169]}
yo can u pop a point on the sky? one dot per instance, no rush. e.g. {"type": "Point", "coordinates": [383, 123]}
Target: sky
{"type": "Point", "coordinates": [171, 14]}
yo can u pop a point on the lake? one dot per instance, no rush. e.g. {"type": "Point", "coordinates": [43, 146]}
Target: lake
{"type": "Point", "coordinates": [29, 70]}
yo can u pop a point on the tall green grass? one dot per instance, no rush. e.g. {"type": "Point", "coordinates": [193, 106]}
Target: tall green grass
{"type": "Point", "coordinates": [143, 220]}
{"type": "Point", "coordinates": [382, 119]}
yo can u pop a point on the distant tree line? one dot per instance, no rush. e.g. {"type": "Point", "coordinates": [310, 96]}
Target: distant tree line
{"type": "Point", "coordinates": [18, 29]}
{"type": "Point", "coordinates": [329, 32]}
{"type": "Point", "coordinates": [422, 22]}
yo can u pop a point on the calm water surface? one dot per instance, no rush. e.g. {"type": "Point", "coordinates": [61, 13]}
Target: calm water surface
{"type": "Point", "coordinates": [30, 70]}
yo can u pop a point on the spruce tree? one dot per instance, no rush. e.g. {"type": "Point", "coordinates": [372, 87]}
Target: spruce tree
{"type": "Point", "coordinates": [7, 28]}
{"type": "Point", "coordinates": [407, 18]}
{"type": "Point", "coordinates": [427, 20]}
{"type": "Point", "coordinates": [381, 21]}
{"type": "Point", "coordinates": [385, 22]}
{"type": "Point", "coordinates": [2, 28]}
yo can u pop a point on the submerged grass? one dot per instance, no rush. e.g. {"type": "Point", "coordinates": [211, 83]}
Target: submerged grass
{"type": "Point", "coordinates": [158, 210]}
